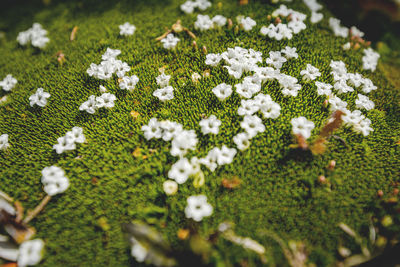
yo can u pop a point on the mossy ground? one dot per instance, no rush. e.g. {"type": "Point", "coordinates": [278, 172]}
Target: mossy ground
{"type": "Point", "coordinates": [279, 190]}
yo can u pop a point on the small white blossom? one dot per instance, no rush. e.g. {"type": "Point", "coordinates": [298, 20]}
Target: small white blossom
{"type": "Point", "coordinates": [242, 141]}
{"type": "Point", "coordinates": [289, 85]}
{"type": "Point", "coordinates": [197, 208]}
{"type": "Point", "coordinates": [170, 41]}
{"type": "Point", "coordinates": [297, 26]}
{"type": "Point", "coordinates": [316, 17]}
{"type": "Point", "coordinates": [75, 135]}
{"type": "Point", "coordinates": [248, 107]}
{"type": "Point", "coordinates": [219, 20]}
{"type": "Point", "coordinates": [342, 87]}
{"type": "Point", "coordinates": [138, 251]}
{"type": "Point", "coordinates": [8, 82]}
{"type": "Point", "coordinates": [367, 86]}
{"type": "Point", "coordinates": [276, 59]}
{"type": "Point", "coordinates": [170, 129]}
{"type": "Point", "coordinates": [210, 161]}
{"type": "Point", "coordinates": [90, 106]}
{"type": "Point", "coordinates": [346, 46]}
{"type": "Point", "coordinates": [30, 252]}
{"type": "Point", "coordinates": [110, 54]}
{"type": "Point", "coordinates": [54, 180]}
{"type": "Point", "coordinates": [370, 59]}
{"type": "Point", "coordinates": [210, 125]}
{"type": "Point", "coordinates": [269, 108]}
{"type": "Point", "coordinates": [355, 79]}
{"type": "Point", "coordinates": [152, 129]}
{"type": "Point", "coordinates": [352, 118]}
{"type": "Point", "coordinates": [202, 4]}
{"type": "Point", "coordinates": [356, 32]}
{"type": "Point", "coordinates": [222, 91]}
{"type": "Point", "coordinates": [302, 126]}
{"type": "Point", "coordinates": [163, 80]}
{"type": "Point", "coordinates": [248, 23]}
{"type": "Point", "coordinates": [184, 140]}
{"type": "Point", "coordinates": [127, 29]}
{"type": "Point", "coordinates": [364, 102]}
{"type": "Point", "coordinates": [203, 23]}
{"type": "Point", "coordinates": [310, 73]}
{"type": "Point", "coordinates": [164, 94]}
{"type": "Point", "coordinates": [170, 187]}
{"type": "Point", "coordinates": [213, 59]}
{"type": "Point", "coordinates": [226, 155]}
{"type": "Point", "coordinates": [336, 103]}
{"type": "Point", "coordinates": [63, 144]}
{"type": "Point", "coordinates": [252, 125]}
{"type": "Point", "coordinates": [129, 83]}
{"type": "Point", "coordinates": [39, 98]}
{"type": "Point", "coordinates": [188, 7]}
{"type": "Point", "coordinates": [4, 142]}
{"type": "Point", "coordinates": [36, 35]}
{"type": "Point", "coordinates": [338, 30]}
{"type": "Point", "coordinates": [180, 171]}
{"type": "Point", "coordinates": [290, 52]}
{"type": "Point", "coordinates": [324, 88]}
{"type": "Point", "coordinates": [106, 100]}
{"type": "Point", "coordinates": [248, 87]}
{"type": "Point", "coordinates": [102, 89]}
{"type": "Point", "coordinates": [363, 127]}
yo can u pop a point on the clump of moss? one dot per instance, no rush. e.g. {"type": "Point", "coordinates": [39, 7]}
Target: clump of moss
{"type": "Point", "coordinates": [279, 188]}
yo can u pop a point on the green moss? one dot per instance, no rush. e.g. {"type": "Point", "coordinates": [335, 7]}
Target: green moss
{"type": "Point", "coordinates": [279, 190]}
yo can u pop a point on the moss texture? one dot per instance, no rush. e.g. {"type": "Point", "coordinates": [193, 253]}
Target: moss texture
{"type": "Point", "coordinates": [279, 190]}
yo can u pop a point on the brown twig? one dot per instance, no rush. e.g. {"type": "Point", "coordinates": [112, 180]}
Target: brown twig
{"type": "Point", "coordinates": [32, 214]}
{"type": "Point", "coordinates": [73, 33]}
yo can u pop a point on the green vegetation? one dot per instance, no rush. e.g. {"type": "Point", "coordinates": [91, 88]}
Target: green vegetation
{"type": "Point", "coordinates": [110, 186]}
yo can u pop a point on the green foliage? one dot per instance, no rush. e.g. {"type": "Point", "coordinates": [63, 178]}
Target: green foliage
{"type": "Point", "coordinates": [109, 186]}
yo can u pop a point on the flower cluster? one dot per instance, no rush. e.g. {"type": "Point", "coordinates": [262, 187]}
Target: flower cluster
{"type": "Point", "coordinates": [127, 29]}
{"type": "Point", "coordinates": [170, 41]}
{"type": "Point", "coordinates": [106, 100]}
{"type": "Point", "coordinates": [36, 35]}
{"type": "Point", "coordinates": [4, 142]}
{"type": "Point", "coordinates": [8, 82]}
{"type": "Point", "coordinates": [39, 98]}
{"type": "Point", "coordinates": [189, 6]}
{"type": "Point", "coordinates": [285, 31]}
{"type": "Point", "coordinates": [166, 92]}
{"type": "Point", "coordinates": [68, 142]}
{"type": "Point", "coordinates": [370, 59]}
{"type": "Point", "coordinates": [54, 180]}
{"type": "Point", "coordinates": [357, 121]}
{"type": "Point", "coordinates": [364, 102]}
{"type": "Point", "coordinates": [197, 208]}
{"type": "Point", "coordinates": [218, 156]}
{"type": "Point", "coordinates": [204, 22]}
{"type": "Point", "coordinates": [108, 66]}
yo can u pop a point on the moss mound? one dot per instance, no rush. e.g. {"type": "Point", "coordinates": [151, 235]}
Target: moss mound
{"type": "Point", "coordinates": [279, 190]}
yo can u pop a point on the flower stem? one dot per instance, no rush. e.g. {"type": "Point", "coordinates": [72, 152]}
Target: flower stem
{"type": "Point", "coordinates": [32, 214]}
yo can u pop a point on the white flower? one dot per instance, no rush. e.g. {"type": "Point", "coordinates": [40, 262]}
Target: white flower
{"type": "Point", "coordinates": [363, 127]}
{"type": "Point", "coordinates": [129, 83]}
{"type": "Point", "coordinates": [30, 252]}
{"type": "Point", "coordinates": [39, 98]}
{"type": "Point", "coordinates": [170, 187]}
{"type": "Point", "coordinates": [110, 54]}
{"type": "Point", "coordinates": [102, 89]}
{"type": "Point", "coordinates": [370, 59]}
{"type": "Point", "coordinates": [235, 70]}
{"type": "Point", "coordinates": [152, 129]}
{"type": "Point", "coordinates": [342, 87]}
{"type": "Point", "coordinates": [276, 59]}
{"type": "Point", "coordinates": [356, 32]}
{"type": "Point", "coordinates": [367, 86]}
{"type": "Point", "coordinates": [203, 23]}
{"type": "Point", "coordinates": [219, 20]}
{"type": "Point", "coordinates": [289, 85]}
{"type": "Point", "coordinates": [302, 126]}
{"type": "Point", "coordinates": [242, 141]}
{"type": "Point", "coordinates": [163, 80]}
{"type": "Point", "coordinates": [323, 88]}
{"type": "Point", "coordinates": [8, 82]}
{"type": "Point", "coordinates": [170, 129]}
{"type": "Point", "coordinates": [164, 94]}
{"type": "Point", "coordinates": [197, 208]}
{"type": "Point", "coordinates": [210, 161]}
{"type": "Point", "coordinates": [181, 170]}
{"type": "Point", "coordinates": [170, 41]}
{"type": "Point", "coordinates": [226, 155]}
{"type": "Point", "coordinates": [106, 100]}
{"type": "Point", "coordinates": [213, 59]}
{"type": "Point", "coordinates": [338, 30]}
{"type": "Point", "coordinates": [310, 73]}
{"type": "Point", "coordinates": [127, 29]}
{"type": "Point", "coordinates": [316, 17]}
{"type": "Point", "coordinates": [90, 106]}
{"type": "Point", "coordinates": [355, 79]}
{"type": "Point", "coordinates": [210, 125]}
{"type": "Point", "coordinates": [121, 68]}
{"type": "Point", "coordinates": [75, 135]}
{"type": "Point", "coordinates": [252, 125]}
{"type": "Point", "coordinates": [336, 103]}
{"type": "Point", "coordinates": [364, 102]}
{"type": "Point", "coordinates": [138, 251]}
{"type": "Point", "coordinates": [248, 23]}
{"type": "Point", "coordinates": [290, 52]}
{"type": "Point", "coordinates": [352, 117]}
{"type": "Point", "coordinates": [4, 142]}
{"type": "Point", "coordinates": [248, 87]}
{"type": "Point", "coordinates": [297, 26]}
{"type": "Point", "coordinates": [346, 46]}
{"type": "Point", "coordinates": [269, 108]}
{"type": "Point", "coordinates": [54, 180]}
{"type": "Point", "coordinates": [63, 144]}
{"type": "Point", "coordinates": [188, 7]}
{"type": "Point", "coordinates": [222, 91]}
{"type": "Point", "coordinates": [202, 4]}
{"type": "Point", "coordinates": [266, 73]}
{"type": "Point", "coordinates": [248, 107]}
{"type": "Point", "coordinates": [184, 140]}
